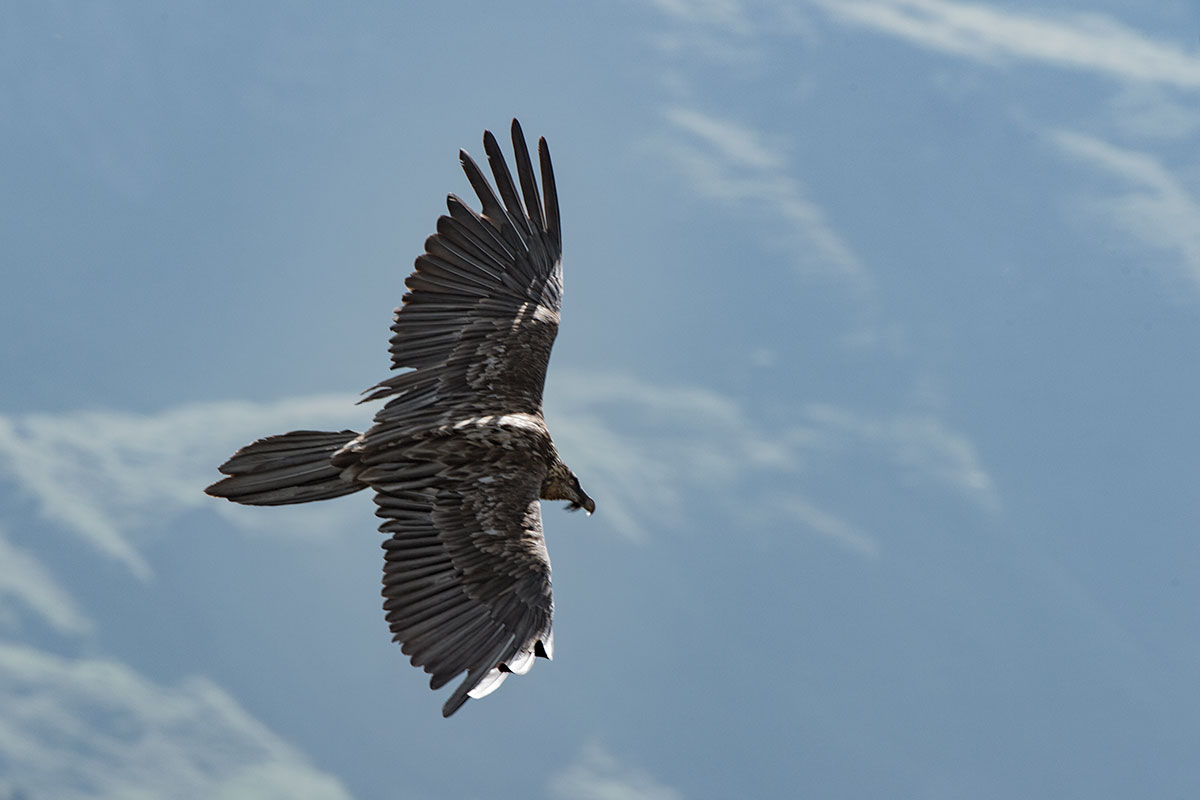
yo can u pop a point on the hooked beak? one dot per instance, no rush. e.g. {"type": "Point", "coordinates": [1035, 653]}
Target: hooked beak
{"type": "Point", "coordinates": [587, 504]}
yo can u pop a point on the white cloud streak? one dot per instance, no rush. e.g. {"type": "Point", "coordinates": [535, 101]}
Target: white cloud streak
{"type": "Point", "coordinates": [730, 163]}
{"type": "Point", "coordinates": [1153, 112]}
{"type": "Point", "coordinates": [596, 775]}
{"type": "Point", "coordinates": [1087, 42]}
{"type": "Point", "coordinates": [673, 443]}
{"type": "Point", "coordinates": [739, 145]}
{"type": "Point", "coordinates": [920, 447]}
{"type": "Point", "coordinates": [835, 528]}
{"type": "Point", "coordinates": [1157, 209]}
{"type": "Point", "coordinates": [645, 450]}
{"type": "Point", "coordinates": [717, 31]}
{"type": "Point", "coordinates": [101, 474]}
{"type": "Point", "coordinates": [26, 581]}
{"type": "Point", "coordinates": [727, 15]}
{"type": "Point", "coordinates": [95, 729]}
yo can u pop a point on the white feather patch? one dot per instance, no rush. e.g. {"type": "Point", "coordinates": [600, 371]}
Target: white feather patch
{"type": "Point", "coordinates": [522, 663]}
{"type": "Point", "coordinates": [490, 683]}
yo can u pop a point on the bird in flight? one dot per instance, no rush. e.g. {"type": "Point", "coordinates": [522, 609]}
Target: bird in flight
{"type": "Point", "coordinates": [459, 456]}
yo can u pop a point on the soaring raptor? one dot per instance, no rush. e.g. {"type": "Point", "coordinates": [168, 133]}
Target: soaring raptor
{"type": "Point", "coordinates": [460, 456]}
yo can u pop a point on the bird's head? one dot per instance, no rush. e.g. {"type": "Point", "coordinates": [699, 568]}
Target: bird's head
{"type": "Point", "coordinates": [561, 484]}
{"type": "Point", "coordinates": [579, 498]}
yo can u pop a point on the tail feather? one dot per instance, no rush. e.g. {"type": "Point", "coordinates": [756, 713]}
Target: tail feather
{"type": "Point", "coordinates": [292, 468]}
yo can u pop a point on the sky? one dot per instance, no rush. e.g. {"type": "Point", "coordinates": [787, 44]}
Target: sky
{"type": "Point", "coordinates": [877, 355]}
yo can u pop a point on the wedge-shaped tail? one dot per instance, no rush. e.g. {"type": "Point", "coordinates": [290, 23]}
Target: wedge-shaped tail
{"type": "Point", "coordinates": [291, 468]}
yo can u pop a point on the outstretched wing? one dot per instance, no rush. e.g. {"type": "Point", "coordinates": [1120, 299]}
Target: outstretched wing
{"type": "Point", "coordinates": [482, 310]}
{"type": "Point", "coordinates": [466, 576]}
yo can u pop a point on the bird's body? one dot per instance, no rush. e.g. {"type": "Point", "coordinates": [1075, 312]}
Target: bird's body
{"type": "Point", "coordinates": [460, 455]}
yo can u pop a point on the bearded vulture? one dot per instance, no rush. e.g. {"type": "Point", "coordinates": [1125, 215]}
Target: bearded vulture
{"type": "Point", "coordinates": [460, 456]}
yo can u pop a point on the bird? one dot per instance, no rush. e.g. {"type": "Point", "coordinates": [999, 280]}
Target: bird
{"type": "Point", "coordinates": [459, 457]}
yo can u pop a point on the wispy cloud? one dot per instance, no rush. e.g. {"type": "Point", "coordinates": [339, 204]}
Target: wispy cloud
{"type": "Point", "coordinates": [646, 447]}
{"type": "Point", "coordinates": [732, 164]}
{"type": "Point", "coordinates": [1156, 208]}
{"type": "Point", "coordinates": [92, 728]}
{"type": "Point", "coordinates": [1154, 112]}
{"type": "Point", "coordinates": [645, 450]}
{"type": "Point", "coordinates": [716, 31]}
{"type": "Point", "coordinates": [830, 525]}
{"type": "Point", "coordinates": [597, 775]}
{"type": "Point", "coordinates": [920, 447]}
{"type": "Point", "coordinates": [1088, 42]}
{"type": "Point", "coordinates": [728, 15]}
{"type": "Point", "coordinates": [26, 581]}
{"type": "Point", "coordinates": [102, 474]}
{"type": "Point", "coordinates": [737, 144]}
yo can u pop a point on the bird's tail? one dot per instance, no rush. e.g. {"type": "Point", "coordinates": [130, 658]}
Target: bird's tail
{"type": "Point", "coordinates": [292, 468]}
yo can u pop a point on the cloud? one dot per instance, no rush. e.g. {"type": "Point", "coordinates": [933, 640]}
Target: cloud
{"type": "Point", "coordinates": [1153, 112]}
{"type": "Point", "coordinates": [92, 728]}
{"type": "Point", "coordinates": [737, 144]}
{"type": "Point", "coordinates": [596, 775]}
{"type": "Point", "coordinates": [645, 450]}
{"type": "Point", "coordinates": [1088, 42]}
{"type": "Point", "coordinates": [102, 474]}
{"type": "Point", "coordinates": [730, 163]}
{"type": "Point", "coordinates": [1157, 208]}
{"type": "Point", "coordinates": [826, 524]}
{"type": "Point", "coordinates": [919, 446]}
{"type": "Point", "coordinates": [715, 31]}
{"type": "Point", "coordinates": [727, 15]}
{"type": "Point", "coordinates": [25, 580]}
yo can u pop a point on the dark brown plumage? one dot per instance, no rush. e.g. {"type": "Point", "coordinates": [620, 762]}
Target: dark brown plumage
{"type": "Point", "coordinates": [460, 454]}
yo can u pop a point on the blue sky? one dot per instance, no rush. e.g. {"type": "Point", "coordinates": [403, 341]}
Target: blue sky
{"type": "Point", "coordinates": [878, 357]}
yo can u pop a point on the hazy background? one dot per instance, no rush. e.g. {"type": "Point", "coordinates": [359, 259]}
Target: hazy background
{"type": "Point", "coordinates": [879, 356]}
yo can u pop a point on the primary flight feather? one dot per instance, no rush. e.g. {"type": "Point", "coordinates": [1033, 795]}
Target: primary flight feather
{"type": "Point", "coordinates": [459, 456]}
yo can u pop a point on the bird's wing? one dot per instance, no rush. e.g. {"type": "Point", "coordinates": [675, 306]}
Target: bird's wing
{"type": "Point", "coordinates": [466, 576]}
{"type": "Point", "coordinates": [482, 310]}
